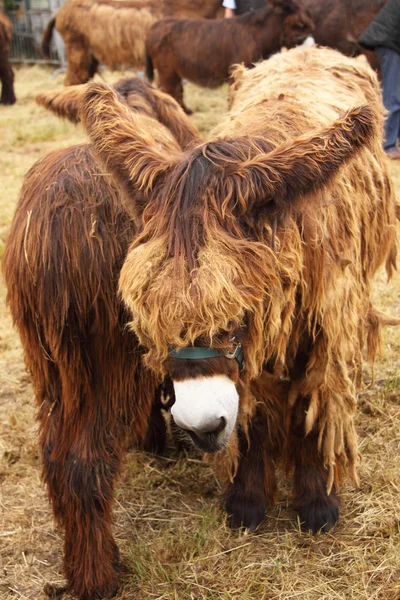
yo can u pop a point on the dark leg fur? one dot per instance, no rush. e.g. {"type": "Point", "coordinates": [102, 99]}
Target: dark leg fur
{"type": "Point", "coordinates": [94, 65]}
{"type": "Point", "coordinates": [81, 66]}
{"type": "Point", "coordinates": [171, 83]}
{"type": "Point", "coordinates": [80, 476]}
{"type": "Point", "coordinates": [7, 83]}
{"type": "Point", "coordinates": [317, 510]}
{"type": "Point", "coordinates": [254, 487]}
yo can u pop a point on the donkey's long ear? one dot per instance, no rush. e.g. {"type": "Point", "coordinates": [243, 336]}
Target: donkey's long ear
{"type": "Point", "coordinates": [136, 149]}
{"type": "Point", "coordinates": [170, 114]}
{"type": "Point", "coordinates": [64, 102]}
{"type": "Point", "coordinates": [308, 163]}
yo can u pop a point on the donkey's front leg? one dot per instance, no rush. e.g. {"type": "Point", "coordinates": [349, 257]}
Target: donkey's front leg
{"type": "Point", "coordinates": [254, 487]}
{"type": "Point", "coordinates": [318, 510]}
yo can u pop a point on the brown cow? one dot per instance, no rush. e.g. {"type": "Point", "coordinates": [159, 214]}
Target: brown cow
{"type": "Point", "coordinates": [6, 72]}
{"type": "Point", "coordinates": [203, 51]}
{"type": "Point", "coordinates": [113, 32]}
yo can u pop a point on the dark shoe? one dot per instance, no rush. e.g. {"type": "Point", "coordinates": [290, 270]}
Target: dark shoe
{"type": "Point", "coordinates": [393, 154]}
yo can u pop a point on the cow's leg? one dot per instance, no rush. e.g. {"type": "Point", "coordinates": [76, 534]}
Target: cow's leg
{"type": "Point", "coordinates": [80, 63]}
{"type": "Point", "coordinates": [7, 84]}
{"type": "Point", "coordinates": [318, 510]}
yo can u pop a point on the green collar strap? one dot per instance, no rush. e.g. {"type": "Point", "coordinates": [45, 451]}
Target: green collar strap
{"type": "Point", "coordinates": [199, 353]}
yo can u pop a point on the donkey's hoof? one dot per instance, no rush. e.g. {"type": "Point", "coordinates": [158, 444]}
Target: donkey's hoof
{"type": "Point", "coordinates": [244, 511]}
{"type": "Point", "coordinates": [54, 591]}
{"type": "Point", "coordinates": [321, 514]}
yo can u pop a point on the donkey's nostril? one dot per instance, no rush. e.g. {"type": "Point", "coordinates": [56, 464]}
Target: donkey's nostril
{"type": "Point", "coordinates": [214, 426]}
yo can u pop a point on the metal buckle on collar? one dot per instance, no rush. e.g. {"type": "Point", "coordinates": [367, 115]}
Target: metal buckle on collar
{"type": "Point", "coordinates": [238, 355]}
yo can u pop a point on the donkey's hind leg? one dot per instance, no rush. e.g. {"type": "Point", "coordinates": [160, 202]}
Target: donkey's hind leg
{"type": "Point", "coordinates": [80, 464]}
{"type": "Point", "coordinates": [171, 83]}
{"type": "Point", "coordinates": [81, 66]}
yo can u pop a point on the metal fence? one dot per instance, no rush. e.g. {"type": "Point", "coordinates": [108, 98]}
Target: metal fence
{"type": "Point", "coordinates": [29, 21]}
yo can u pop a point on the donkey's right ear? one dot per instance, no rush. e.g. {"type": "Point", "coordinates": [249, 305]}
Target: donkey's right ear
{"type": "Point", "coordinates": [136, 149]}
{"type": "Point", "coordinates": [64, 102]}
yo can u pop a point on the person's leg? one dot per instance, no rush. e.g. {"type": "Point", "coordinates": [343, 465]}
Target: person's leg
{"type": "Point", "coordinates": [390, 66]}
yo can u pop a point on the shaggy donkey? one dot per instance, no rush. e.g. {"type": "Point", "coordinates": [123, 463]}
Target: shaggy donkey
{"type": "Point", "coordinates": [203, 51]}
{"type": "Point", "coordinates": [6, 72]}
{"type": "Point", "coordinates": [62, 260]}
{"type": "Point", "coordinates": [113, 33]}
{"type": "Point", "coordinates": [255, 248]}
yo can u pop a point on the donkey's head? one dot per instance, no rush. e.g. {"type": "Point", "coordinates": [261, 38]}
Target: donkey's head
{"type": "Point", "coordinates": [287, 23]}
{"type": "Point", "coordinates": [211, 298]}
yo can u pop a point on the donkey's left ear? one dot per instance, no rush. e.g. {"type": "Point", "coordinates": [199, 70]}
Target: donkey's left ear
{"type": "Point", "coordinates": [136, 149]}
{"type": "Point", "coordinates": [308, 163]}
{"type": "Point", "coordinates": [64, 102]}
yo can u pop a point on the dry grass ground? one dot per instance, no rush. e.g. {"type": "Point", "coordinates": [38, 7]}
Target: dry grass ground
{"type": "Point", "coordinates": [168, 520]}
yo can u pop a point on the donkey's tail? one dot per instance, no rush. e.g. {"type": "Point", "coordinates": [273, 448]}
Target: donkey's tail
{"type": "Point", "coordinates": [149, 68]}
{"type": "Point", "coordinates": [46, 39]}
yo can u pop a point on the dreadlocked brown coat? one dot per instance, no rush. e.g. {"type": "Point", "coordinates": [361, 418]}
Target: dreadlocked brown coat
{"type": "Point", "coordinates": [61, 264]}
{"type": "Point", "coordinates": [268, 235]}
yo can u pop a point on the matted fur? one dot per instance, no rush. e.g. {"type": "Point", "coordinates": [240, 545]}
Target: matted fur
{"type": "Point", "coordinates": [203, 51]}
{"type": "Point", "coordinates": [113, 32]}
{"type": "Point", "coordinates": [6, 72]}
{"type": "Point", "coordinates": [271, 231]}
{"type": "Point", "coordinates": [62, 259]}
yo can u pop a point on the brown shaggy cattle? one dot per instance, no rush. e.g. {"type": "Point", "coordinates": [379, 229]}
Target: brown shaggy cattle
{"type": "Point", "coordinates": [253, 250]}
{"type": "Point", "coordinates": [203, 51]}
{"type": "Point", "coordinates": [113, 32]}
{"type": "Point", "coordinates": [6, 72]}
{"type": "Point", "coordinates": [62, 260]}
